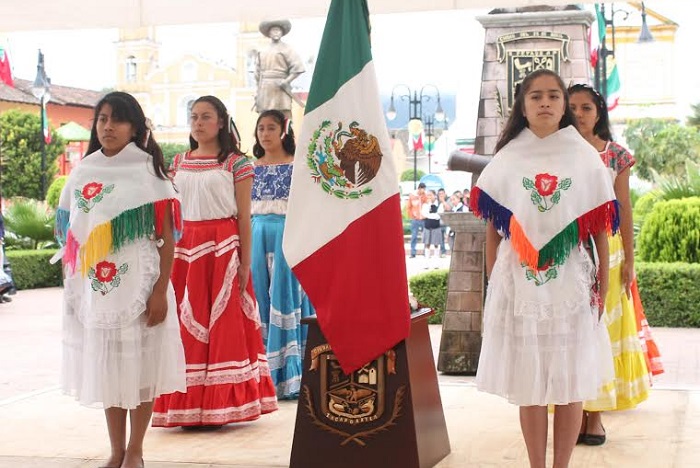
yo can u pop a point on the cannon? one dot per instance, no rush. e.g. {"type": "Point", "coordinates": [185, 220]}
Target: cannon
{"type": "Point", "coordinates": [461, 161]}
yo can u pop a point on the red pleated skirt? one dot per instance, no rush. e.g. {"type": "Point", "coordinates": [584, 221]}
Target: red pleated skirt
{"type": "Point", "coordinates": [228, 378]}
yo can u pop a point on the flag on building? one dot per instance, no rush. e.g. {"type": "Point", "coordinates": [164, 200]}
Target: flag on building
{"type": "Point", "coordinates": [596, 37]}
{"type": "Point", "coordinates": [45, 119]}
{"type": "Point", "coordinates": [343, 235]}
{"type": "Point", "coordinates": [5, 69]}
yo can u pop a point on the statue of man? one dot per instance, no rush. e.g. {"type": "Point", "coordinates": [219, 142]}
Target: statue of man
{"type": "Point", "coordinates": [277, 67]}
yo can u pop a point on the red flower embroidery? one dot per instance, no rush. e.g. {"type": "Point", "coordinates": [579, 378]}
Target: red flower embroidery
{"type": "Point", "coordinates": [105, 271]}
{"type": "Point", "coordinates": [545, 184]}
{"type": "Point", "coordinates": [91, 190]}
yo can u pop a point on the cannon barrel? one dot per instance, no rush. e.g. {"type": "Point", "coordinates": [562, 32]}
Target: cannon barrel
{"type": "Point", "coordinates": [461, 161]}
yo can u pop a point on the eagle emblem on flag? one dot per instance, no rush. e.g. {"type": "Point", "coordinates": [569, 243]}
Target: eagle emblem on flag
{"type": "Point", "coordinates": [344, 160]}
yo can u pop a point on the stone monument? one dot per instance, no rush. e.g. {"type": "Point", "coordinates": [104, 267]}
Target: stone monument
{"type": "Point", "coordinates": [517, 42]}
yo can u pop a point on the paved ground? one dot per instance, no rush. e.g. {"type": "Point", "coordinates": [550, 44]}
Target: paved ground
{"type": "Point", "coordinates": [42, 428]}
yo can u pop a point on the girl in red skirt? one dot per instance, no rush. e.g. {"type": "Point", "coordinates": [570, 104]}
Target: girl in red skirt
{"type": "Point", "coordinates": [228, 378]}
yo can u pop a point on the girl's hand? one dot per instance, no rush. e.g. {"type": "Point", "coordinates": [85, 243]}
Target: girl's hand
{"type": "Point", "coordinates": [156, 308]}
{"type": "Point", "coordinates": [628, 277]}
{"type": "Point", "coordinates": [243, 277]}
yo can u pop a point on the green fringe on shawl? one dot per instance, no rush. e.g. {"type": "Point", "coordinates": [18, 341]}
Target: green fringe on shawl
{"type": "Point", "coordinates": [557, 250]}
{"type": "Point", "coordinates": [131, 225]}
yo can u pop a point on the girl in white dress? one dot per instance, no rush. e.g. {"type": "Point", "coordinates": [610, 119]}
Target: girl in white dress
{"type": "Point", "coordinates": [118, 219]}
{"type": "Point", "coordinates": [546, 197]}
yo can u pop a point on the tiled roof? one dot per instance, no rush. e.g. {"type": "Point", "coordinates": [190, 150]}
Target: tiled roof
{"type": "Point", "coordinates": [61, 95]}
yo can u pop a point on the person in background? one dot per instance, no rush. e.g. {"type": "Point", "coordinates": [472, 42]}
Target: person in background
{"type": "Point", "coordinates": [624, 321]}
{"type": "Point", "coordinates": [445, 208]}
{"type": "Point", "coordinates": [457, 207]}
{"type": "Point", "coordinates": [228, 378]}
{"type": "Point", "coordinates": [281, 300]}
{"type": "Point", "coordinates": [432, 232]}
{"type": "Point", "coordinates": [7, 285]}
{"type": "Point", "coordinates": [416, 200]}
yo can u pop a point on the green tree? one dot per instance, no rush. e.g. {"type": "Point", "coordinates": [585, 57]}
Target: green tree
{"type": "Point", "coordinates": [407, 175]}
{"type": "Point", "coordinates": [662, 146]}
{"type": "Point", "coordinates": [694, 120]}
{"type": "Point", "coordinates": [20, 153]}
{"type": "Point", "coordinates": [171, 149]}
{"type": "Point", "coordinates": [53, 194]}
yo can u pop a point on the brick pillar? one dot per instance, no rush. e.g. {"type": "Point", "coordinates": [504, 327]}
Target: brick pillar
{"type": "Point", "coordinates": [461, 329]}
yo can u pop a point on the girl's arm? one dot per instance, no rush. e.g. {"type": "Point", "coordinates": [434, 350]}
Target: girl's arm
{"type": "Point", "coordinates": [244, 189]}
{"type": "Point", "coordinates": [493, 239]}
{"type": "Point", "coordinates": [622, 193]}
{"type": "Point", "coordinates": [602, 248]}
{"type": "Point", "coordinates": [157, 304]}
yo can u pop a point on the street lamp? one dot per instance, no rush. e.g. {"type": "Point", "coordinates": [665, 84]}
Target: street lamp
{"type": "Point", "coordinates": [40, 90]}
{"type": "Point", "coordinates": [645, 33]}
{"type": "Point", "coordinates": [415, 112]}
{"type": "Point", "coordinates": [601, 69]}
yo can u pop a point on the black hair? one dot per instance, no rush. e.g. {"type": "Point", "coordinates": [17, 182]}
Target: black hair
{"type": "Point", "coordinates": [288, 143]}
{"type": "Point", "coordinates": [125, 108]}
{"type": "Point", "coordinates": [227, 137]}
{"type": "Point", "coordinates": [517, 122]}
{"type": "Point", "coordinates": [602, 127]}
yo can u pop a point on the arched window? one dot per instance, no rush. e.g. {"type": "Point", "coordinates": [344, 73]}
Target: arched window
{"type": "Point", "coordinates": [184, 110]}
{"type": "Point", "coordinates": [130, 69]}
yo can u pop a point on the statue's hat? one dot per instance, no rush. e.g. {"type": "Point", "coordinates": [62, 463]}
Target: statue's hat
{"type": "Point", "coordinates": [284, 25]}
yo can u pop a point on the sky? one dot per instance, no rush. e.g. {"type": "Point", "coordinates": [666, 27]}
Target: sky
{"type": "Point", "coordinates": [443, 48]}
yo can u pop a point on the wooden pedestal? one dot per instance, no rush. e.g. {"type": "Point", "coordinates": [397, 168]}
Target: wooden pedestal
{"type": "Point", "coordinates": [387, 414]}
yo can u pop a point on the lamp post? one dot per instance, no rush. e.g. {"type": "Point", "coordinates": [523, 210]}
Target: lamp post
{"type": "Point", "coordinates": [429, 132]}
{"type": "Point", "coordinates": [415, 112]}
{"type": "Point", "coordinates": [601, 69]}
{"type": "Point", "coordinates": [40, 90]}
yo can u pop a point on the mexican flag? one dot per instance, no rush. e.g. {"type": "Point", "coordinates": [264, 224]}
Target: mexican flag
{"type": "Point", "coordinates": [343, 235]}
{"type": "Point", "coordinates": [5, 69]}
{"type": "Point", "coordinates": [596, 37]}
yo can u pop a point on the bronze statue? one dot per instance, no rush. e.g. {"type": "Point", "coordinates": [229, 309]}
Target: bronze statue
{"type": "Point", "coordinates": [277, 67]}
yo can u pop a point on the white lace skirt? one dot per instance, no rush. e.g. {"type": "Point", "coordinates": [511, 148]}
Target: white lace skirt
{"type": "Point", "coordinates": [543, 343]}
{"type": "Point", "coordinates": [110, 357]}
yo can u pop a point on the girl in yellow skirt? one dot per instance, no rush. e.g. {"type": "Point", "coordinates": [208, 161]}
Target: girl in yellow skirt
{"type": "Point", "coordinates": [631, 384]}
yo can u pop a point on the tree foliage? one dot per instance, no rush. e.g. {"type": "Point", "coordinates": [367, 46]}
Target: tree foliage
{"type": "Point", "coordinates": [53, 194]}
{"type": "Point", "coordinates": [694, 119]}
{"type": "Point", "coordinates": [20, 150]}
{"type": "Point", "coordinates": [171, 149]}
{"type": "Point", "coordinates": [407, 175]}
{"type": "Point", "coordinates": [661, 146]}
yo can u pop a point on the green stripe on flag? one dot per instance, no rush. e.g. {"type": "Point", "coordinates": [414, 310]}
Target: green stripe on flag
{"type": "Point", "coordinates": [341, 55]}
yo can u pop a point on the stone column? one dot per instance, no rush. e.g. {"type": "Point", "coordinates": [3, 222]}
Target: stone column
{"type": "Point", "coordinates": [461, 329]}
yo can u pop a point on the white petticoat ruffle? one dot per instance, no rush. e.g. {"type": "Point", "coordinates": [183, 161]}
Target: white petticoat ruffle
{"type": "Point", "coordinates": [115, 360]}
{"type": "Point", "coordinates": [542, 344]}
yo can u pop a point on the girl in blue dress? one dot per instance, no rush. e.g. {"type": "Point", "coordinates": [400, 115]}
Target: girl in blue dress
{"type": "Point", "coordinates": [281, 300]}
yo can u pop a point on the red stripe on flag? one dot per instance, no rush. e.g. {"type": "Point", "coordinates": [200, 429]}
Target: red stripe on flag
{"type": "Point", "coordinates": [357, 284]}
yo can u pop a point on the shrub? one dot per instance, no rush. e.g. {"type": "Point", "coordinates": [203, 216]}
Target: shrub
{"type": "Point", "coordinates": [31, 269]}
{"type": "Point", "coordinates": [643, 206]}
{"type": "Point", "coordinates": [671, 232]}
{"type": "Point", "coordinates": [29, 220]}
{"type": "Point", "coordinates": [407, 175]}
{"type": "Point", "coordinates": [669, 292]}
{"type": "Point", "coordinates": [53, 194]}
{"type": "Point", "coordinates": [430, 290]}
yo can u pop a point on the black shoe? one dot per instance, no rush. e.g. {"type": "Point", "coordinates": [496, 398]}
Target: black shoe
{"type": "Point", "coordinates": [581, 439]}
{"type": "Point", "coordinates": [203, 428]}
{"type": "Point", "coordinates": [594, 439]}
{"type": "Point", "coordinates": [6, 299]}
